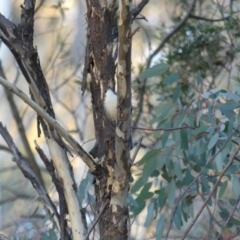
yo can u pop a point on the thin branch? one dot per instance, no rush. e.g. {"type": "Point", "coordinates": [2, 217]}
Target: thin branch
{"type": "Point", "coordinates": [2, 237]}
{"type": "Point", "coordinates": [15, 198]}
{"type": "Point", "coordinates": [58, 185]}
{"type": "Point", "coordinates": [171, 34]}
{"type": "Point", "coordinates": [29, 174]}
{"type": "Point", "coordinates": [195, 179]}
{"type": "Point", "coordinates": [230, 215]}
{"type": "Point", "coordinates": [97, 218]}
{"type": "Point", "coordinates": [210, 195]}
{"type": "Point", "coordinates": [134, 31]}
{"type": "Point", "coordinates": [137, 149]}
{"type": "Point", "coordinates": [139, 8]}
{"type": "Point", "coordinates": [156, 51]}
{"type": "Point", "coordinates": [39, 6]}
{"type": "Point", "coordinates": [41, 112]}
{"type": "Point", "coordinates": [21, 129]}
{"type": "Point", "coordinates": [209, 19]}
{"type": "Point", "coordinates": [163, 129]}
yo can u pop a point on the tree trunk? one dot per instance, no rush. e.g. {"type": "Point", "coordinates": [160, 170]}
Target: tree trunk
{"type": "Point", "coordinates": [112, 147]}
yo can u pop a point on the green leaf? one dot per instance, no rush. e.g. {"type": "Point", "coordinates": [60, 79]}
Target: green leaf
{"type": "Point", "coordinates": [150, 155]}
{"type": "Point", "coordinates": [132, 201]}
{"type": "Point", "coordinates": [205, 186]}
{"type": "Point", "coordinates": [184, 139]}
{"type": "Point", "coordinates": [160, 227]}
{"type": "Point", "coordinates": [171, 192]}
{"type": "Point", "coordinates": [213, 141]}
{"type": "Point", "coordinates": [199, 77]}
{"type": "Point", "coordinates": [138, 184]}
{"type": "Point", "coordinates": [150, 212]}
{"type": "Point", "coordinates": [148, 169]}
{"type": "Point", "coordinates": [171, 78]}
{"type": "Point", "coordinates": [154, 71]}
{"type": "Point", "coordinates": [162, 197]}
{"type": "Point", "coordinates": [178, 171]}
{"type": "Point", "coordinates": [218, 160]}
{"type": "Point", "coordinates": [51, 235]}
{"type": "Point", "coordinates": [230, 105]}
{"type": "Point", "coordinates": [232, 169]}
{"type": "Point", "coordinates": [222, 189]}
{"type": "Point", "coordinates": [176, 93]}
{"type": "Point", "coordinates": [161, 161]}
{"type": "Point", "coordinates": [199, 115]}
{"type": "Point", "coordinates": [166, 134]}
{"type": "Point", "coordinates": [215, 90]}
{"type": "Point", "coordinates": [140, 206]}
{"type": "Point", "coordinates": [177, 218]}
{"type": "Point", "coordinates": [181, 118]}
{"type": "Point", "coordinates": [231, 95]}
{"type": "Point", "coordinates": [227, 108]}
{"type": "Point", "coordinates": [145, 194]}
{"type": "Point", "coordinates": [200, 130]}
{"type": "Point", "coordinates": [235, 186]}
{"type": "Point", "coordinates": [82, 189]}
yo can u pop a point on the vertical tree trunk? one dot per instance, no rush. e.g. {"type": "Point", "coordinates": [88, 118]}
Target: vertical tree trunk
{"type": "Point", "coordinates": [112, 142]}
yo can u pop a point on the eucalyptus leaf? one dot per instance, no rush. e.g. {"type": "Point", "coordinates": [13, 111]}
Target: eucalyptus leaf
{"type": "Point", "coordinates": [199, 77]}
{"type": "Point", "coordinates": [235, 186]}
{"type": "Point", "coordinates": [160, 227]}
{"type": "Point", "coordinates": [162, 197]}
{"type": "Point", "coordinates": [176, 93]}
{"type": "Point", "coordinates": [230, 105]}
{"type": "Point", "coordinates": [184, 139]}
{"type": "Point", "coordinates": [232, 96]}
{"type": "Point", "coordinates": [150, 166]}
{"type": "Point", "coordinates": [178, 171]}
{"type": "Point", "coordinates": [82, 190]}
{"type": "Point", "coordinates": [137, 185]}
{"type": "Point", "coordinates": [177, 218]}
{"type": "Point", "coordinates": [166, 134]}
{"type": "Point", "coordinates": [152, 154]}
{"type": "Point", "coordinates": [213, 141]}
{"type": "Point", "coordinates": [154, 71]}
{"type": "Point", "coordinates": [150, 212]}
{"type": "Point", "coordinates": [219, 162]}
{"type": "Point", "coordinates": [145, 193]}
{"type": "Point", "coordinates": [222, 189]}
{"type": "Point", "coordinates": [171, 192]}
{"type": "Point", "coordinates": [171, 78]}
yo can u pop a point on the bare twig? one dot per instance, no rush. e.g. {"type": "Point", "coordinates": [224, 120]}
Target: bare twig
{"type": "Point", "coordinates": [139, 8]}
{"type": "Point", "coordinates": [195, 179]}
{"type": "Point", "coordinates": [2, 237]}
{"type": "Point", "coordinates": [97, 218]}
{"type": "Point", "coordinates": [229, 216]}
{"type": "Point", "coordinates": [209, 19]}
{"type": "Point", "coordinates": [137, 149]}
{"type": "Point", "coordinates": [58, 185]}
{"type": "Point", "coordinates": [29, 174]}
{"type": "Point", "coordinates": [39, 5]}
{"type": "Point", "coordinates": [163, 129]}
{"type": "Point", "coordinates": [134, 31]}
{"type": "Point", "coordinates": [156, 51]}
{"type": "Point", "coordinates": [210, 195]}
{"type": "Point", "coordinates": [172, 33]}
{"type": "Point", "coordinates": [22, 132]}
{"type": "Point", "coordinates": [41, 112]}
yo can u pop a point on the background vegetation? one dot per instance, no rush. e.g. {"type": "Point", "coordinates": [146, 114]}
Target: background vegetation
{"type": "Point", "coordinates": [185, 120]}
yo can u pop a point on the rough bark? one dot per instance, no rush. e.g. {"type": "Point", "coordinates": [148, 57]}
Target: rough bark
{"type": "Point", "coordinates": [113, 156]}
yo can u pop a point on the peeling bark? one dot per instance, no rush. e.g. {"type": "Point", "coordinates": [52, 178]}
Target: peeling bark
{"type": "Point", "coordinates": [112, 146]}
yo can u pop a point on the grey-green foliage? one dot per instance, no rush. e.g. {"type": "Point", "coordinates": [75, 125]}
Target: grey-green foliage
{"type": "Point", "coordinates": [208, 138]}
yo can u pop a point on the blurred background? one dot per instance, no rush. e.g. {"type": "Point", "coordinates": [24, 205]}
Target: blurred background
{"type": "Point", "coordinates": [208, 41]}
